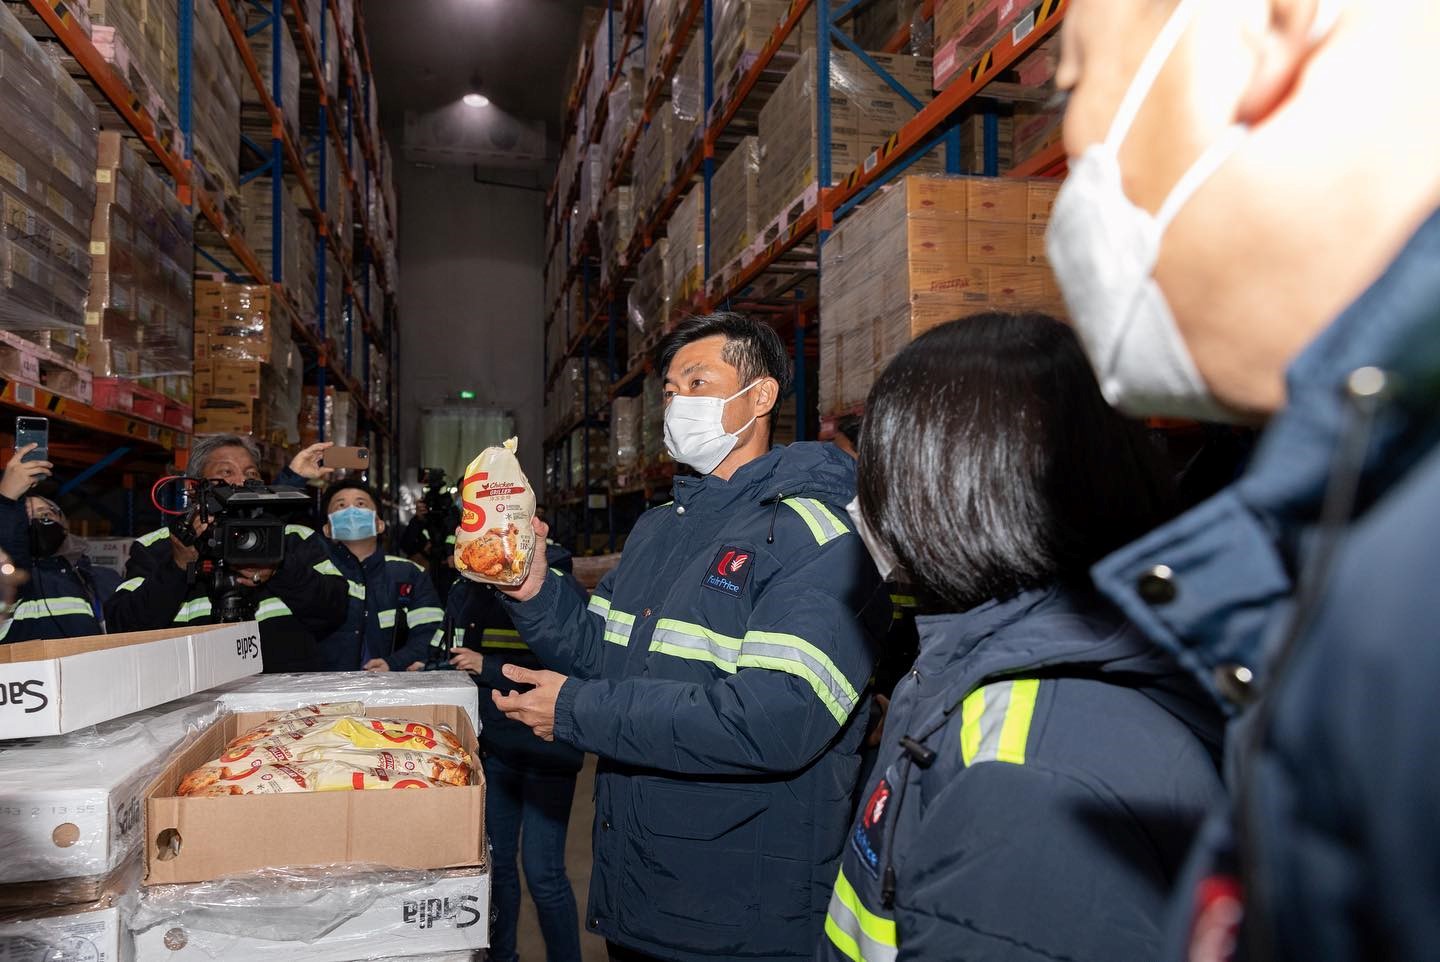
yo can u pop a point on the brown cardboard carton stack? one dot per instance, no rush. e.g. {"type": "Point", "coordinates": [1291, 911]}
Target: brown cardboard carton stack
{"type": "Point", "coordinates": [257, 121]}
{"type": "Point", "coordinates": [649, 303]}
{"type": "Point", "coordinates": [219, 78]}
{"type": "Point", "coordinates": [965, 29]}
{"type": "Point", "coordinates": [654, 161]}
{"type": "Point", "coordinates": [927, 251]}
{"type": "Point", "coordinates": [247, 368]}
{"type": "Point", "coordinates": [341, 417]}
{"type": "Point", "coordinates": [661, 18]}
{"type": "Point", "coordinates": [687, 102]}
{"type": "Point", "coordinates": [686, 234]}
{"type": "Point", "coordinates": [743, 28]}
{"type": "Point", "coordinates": [627, 104]}
{"type": "Point", "coordinates": [140, 39]}
{"type": "Point", "coordinates": [864, 113]}
{"type": "Point", "coordinates": [47, 187]}
{"type": "Point", "coordinates": [140, 308]}
{"type": "Point", "coordinates": [617, 227]}
{"type": "Point", "coordinates": [735, 194]}
{"type": "Point", "coordinates": [297, 238]}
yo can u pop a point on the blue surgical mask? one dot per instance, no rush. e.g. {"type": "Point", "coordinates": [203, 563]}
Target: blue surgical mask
{"type": "Point", "coordinates": [353, 524]}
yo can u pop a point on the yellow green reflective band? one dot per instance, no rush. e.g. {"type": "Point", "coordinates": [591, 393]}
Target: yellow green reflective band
{"type": "Point", "coordinates": [858, 933]}
{"type": "Point", "coordinates": [557, 572]}
{"type": "Point", "coordinates": [795, 655]}
{"type": "Point", "coordinates": [153, 537]}
{"type": "Point", "coordinates": [193, 610]}
{"type": "Point", "coordinates": [507, 638]}
{"type": "Point", "coordinates": [696, 642]}
{"type": "Point", "coordinates": [599, 605]}
{"type": "Point", "coordinates": [356, 589]}
{"type": "Point", "coordinates": [418, 617]}
{"type": "Point", "coordinates": [458, 638]}
{"type": "Point", "coordinates": [299, 530]}
{"type": "Point", "coordinates": [327, 567]}
{"type": "Point", "coordinates": [905, 601]}
{"type": "Point", "coordinates": [130, 585]}
{"type": "Point", "coordinates": [618, 626]}
{"type": "Point", "coordinates": [995, 722]}
{"type": "Point", "coordinates": [53, 608]}
{"type": "Point", "coordinates": [819, 519]}
{"type": "Point", "coordinates": [387, 618]}
{"type": "Point", "coordinates": [450, 539]}
{"type": "Point", "coordinates": [272, 608]}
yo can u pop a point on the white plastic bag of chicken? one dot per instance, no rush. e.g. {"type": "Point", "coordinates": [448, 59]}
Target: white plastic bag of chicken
{"type": "Point", "coordinates": [496, 541]}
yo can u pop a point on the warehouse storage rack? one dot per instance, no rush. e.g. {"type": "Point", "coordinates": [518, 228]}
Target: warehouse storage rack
{"type": "Point", "coordinates": [795, 248]}
{"type": "Point", "coordinates": [143, 447]}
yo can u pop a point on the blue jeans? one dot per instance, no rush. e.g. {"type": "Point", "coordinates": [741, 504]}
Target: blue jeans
{"type": "Point", "coordinates": [535, 806]}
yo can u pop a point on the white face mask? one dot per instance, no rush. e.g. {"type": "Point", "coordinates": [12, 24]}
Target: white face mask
{"type": "Point", "coordinates": [1104, 249]}
{"type": "Point", "coordinates": [695, 430]}
{"type": "Point", "coordinates": [884, 560]}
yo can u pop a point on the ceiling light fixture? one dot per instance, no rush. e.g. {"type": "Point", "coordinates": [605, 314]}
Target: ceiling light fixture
{"type": "Point", "coordinates": [476, 100]}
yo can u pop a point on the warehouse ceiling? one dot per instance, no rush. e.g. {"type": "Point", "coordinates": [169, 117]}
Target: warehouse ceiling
{"type": "Point", "coordinates": [427, 54]}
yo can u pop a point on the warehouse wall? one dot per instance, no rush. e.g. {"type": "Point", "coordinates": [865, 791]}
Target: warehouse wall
{"type": "Point", "coordinates": [471, 287]}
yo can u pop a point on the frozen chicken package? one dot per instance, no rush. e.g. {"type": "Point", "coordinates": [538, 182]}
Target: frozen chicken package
{"type": "Point", "coordinates": [495, 541]}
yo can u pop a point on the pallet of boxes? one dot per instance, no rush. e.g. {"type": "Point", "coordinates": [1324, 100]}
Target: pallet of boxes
{"type": "Point", "coordinates": [926, 251]}
{"type": "Point", "coordinates": [248, 370]}
{"type": "Point", "coordinates": [331, 817]}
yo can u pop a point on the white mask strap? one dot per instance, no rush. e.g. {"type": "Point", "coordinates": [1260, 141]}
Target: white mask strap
{"type": "Point", "coordinates": [1150, 68]}
{"type": "Point", "coordinates": [744, 390]}
{"type": "Point", "coordinates": [1202, 170]}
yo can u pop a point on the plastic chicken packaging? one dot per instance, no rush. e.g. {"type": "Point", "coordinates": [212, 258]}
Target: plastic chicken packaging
{"type": "Point", "coordinates": [496, 541]}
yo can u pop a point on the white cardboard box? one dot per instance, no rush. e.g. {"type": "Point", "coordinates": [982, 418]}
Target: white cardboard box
{"type": "Point", "coordinates": [112, 553]}
{"type": "Point", "coordinates": [296, 918]}
{"type": "Point", "coordinates": [63, 685]}
{"type": "Point", "coordinates": [94, 936]}
{"type": "Point", "coordinates": [72, 807]}
{"type": "Point", "coordinates": [378, 690]}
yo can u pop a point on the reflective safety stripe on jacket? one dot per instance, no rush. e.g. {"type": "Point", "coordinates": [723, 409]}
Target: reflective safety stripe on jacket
{"type": "Point", "coordinates": [47, 608]}
{"type": "Point", "coordinates": [859, 934]}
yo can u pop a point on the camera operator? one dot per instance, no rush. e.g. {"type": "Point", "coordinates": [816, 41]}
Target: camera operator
{"type": "Point", "coordinates": [431, 533]}
{"type": "Point", "coordinates": [394, 617]}
{"type": "Point", "coordinates": [296, 603]}
{"type": "Point", "coordinates": [65, 595]}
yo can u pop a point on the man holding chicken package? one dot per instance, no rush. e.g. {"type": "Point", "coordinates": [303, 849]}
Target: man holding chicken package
{"type": "Point", "coordinates": [717, 672]}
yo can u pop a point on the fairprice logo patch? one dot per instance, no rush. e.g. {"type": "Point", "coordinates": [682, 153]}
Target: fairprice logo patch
{"type": "Point", "coordinates": [427, 913]}
{"type": "Point", "coordinates": [730, 570]}
{"type": "Point", "coordinates": [868, 837]}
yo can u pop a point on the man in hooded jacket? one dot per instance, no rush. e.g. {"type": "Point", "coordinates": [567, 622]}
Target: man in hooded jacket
{"type": "Point", "coordinates": [716, 673]}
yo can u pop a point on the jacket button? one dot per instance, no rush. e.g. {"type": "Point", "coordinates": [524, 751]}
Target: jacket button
{"type": "Point", "coordinates": [605, 825]}
{"type": "Point", "coordinates": [594, 923]}
{"type": "Point", "coordinates": [680, 510]}
{"type": "Point", "coordinates": [1236, 683]}
{"type": "Point", "coordinates": [1157, 586]}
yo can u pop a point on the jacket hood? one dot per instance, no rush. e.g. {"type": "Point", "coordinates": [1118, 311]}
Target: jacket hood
{"type": "Point", "coordinates": [1062, 632]}
{"type": "Point", "coordinates": [807, 469]}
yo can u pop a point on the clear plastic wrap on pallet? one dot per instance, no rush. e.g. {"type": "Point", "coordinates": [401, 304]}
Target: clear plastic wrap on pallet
{"type": "Point", "coordinates": [337, 194]}
{"type": "Point", "coordinates": [140, 39]}
{"type": "Point", "coordinates": [47, 187]}
{"type": "Point", "coordinates": [661, 19]}
{"type": "Point", "coordinates": [617, 227]}
{"type": "Point", "coordinates": [625, 417]}
{"type": "Point", "coordinates": [219, 79]}
{"type": "Point", "coordinates": [239, 322]}
{"type": "Point", "coordinates": [574, 393]}
{"type": "Point", "coordinates": [97, 929]}
{"type": "Point", "coordinates": [654, 162]}
{"type": "Point", "coordinates": [289, 76]}
{"type": "Point", "coordinates": [610, 52]}
{"type": "Point", "coordinates": [339, 914]}
{"type": "Point", "coordinates": [864, 110]}
{"type": "Point", "coordinates": [652, 427]}
{"type": "Point", "coordinates": [627, 104]}
{"type": "Point", "coordinates": [649, 302]}
{"type": "Point", "coordinates": [379, 379]}
{"type": "Point", "coordinates": [576, 235]}
{"type": "Point", "coordinates": [686, 233]}
{"type": "Point", "coordinates": [926, 251]}
{"type": "Point", "coordinates": [258, 224]}
{"type": "Point", "coordinates": [964, 28]}
{"type": "Point", "coordinates": [141, 298]}
{"type": "Point", "coordinates": [286, 692]}
{"type": "Point", "coordinates": [341, 417]}
{"type": "Point", "coordinates": [592, 183]}
{"type": "Point", "coordinates": [734, 219]}
{"type": "Point", "coordinates": [72, 806]}
{"type": "Point", "coordinates": [589, 456]}
{"type": "Point", "coordinates": [314, 11]}
{"type": "Point", "coordinates": [744, 27]}
{"type": "Point", "coordinates": [687, 100]}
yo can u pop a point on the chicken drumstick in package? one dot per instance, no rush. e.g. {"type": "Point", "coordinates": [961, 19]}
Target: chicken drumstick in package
{"type": "Point", "coordinates": [495, 542]}
{"type": "Point", "coordinates": [321, 749]}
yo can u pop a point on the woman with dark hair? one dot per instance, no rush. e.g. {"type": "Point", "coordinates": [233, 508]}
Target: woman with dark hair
{"type": "Point", "coordinates": [1044, 767]}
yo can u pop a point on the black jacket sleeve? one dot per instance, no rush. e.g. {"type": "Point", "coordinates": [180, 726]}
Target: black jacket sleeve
{"type": "Point", "coordinates": [310, 584]}
{"type": "Point", "coordinates": [15, 532]}
{"type": "Point", "coordinates": [153, 590]}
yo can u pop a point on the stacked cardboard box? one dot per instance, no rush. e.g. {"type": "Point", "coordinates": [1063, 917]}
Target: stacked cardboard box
{"type": "Point", "coordinates": [315, 10]}
{"type": "Point", "coordinates": [47, 187]}
{"type": "Point", "coordinates": [589, 449]}
{"type": "Point", "coordinates": [927, 251]}
{"type": "Point", "coordinates": [649, 303]}
{"type": "Point", "coordinates": [652, 429]}
{"type": "Point", "coordinates": [744, 27]}
{"type": "Point", "coordinates": [609, 52]}
{"type": "Point", "coordinates": [661, 19]}
{"type": "Point", "coordinates": [972, 144]}
{"type": "Point", "coordinates": [625, 417]}
{"type": "Point", "coordinates": [379, 379]}
{"type": "Point", "coordinates": [341, 418]}
{"type": "Point", "coordinates": [574, 392]}
{"type": "Point", "coordinates": [288, 95]}
{"type": "Point", "coordinates": [336, 192]}
{"type": "Point", "coordinates": [735, 193]}
{"type": "Point", "coordinates": [627, 105]}
{"type": "Point", "coordinates": [686, 234]}
{"type": "Point", "coordinates": [592, 183]}
{"type": "Point", "coordinates": [140, 39]}
{"type": "Point", "coordinates": [248, 371]}
{"type": "Point", "coordinates": [864, 113]}
{"type": "Point", "coordinates": [965, 29]}
{"type": "Point", "coordinates": [219, 78]}
{"type": "Point", "coordinates": [140, 307]}
{"type": "Point", "coordinates": [297, 237]}
{"type": "Point", "coordinates": [654, 162]}
{"type": "Point", "coordinates": [687, 101]}
{"type": "Point", "coordinates": [617, 228]}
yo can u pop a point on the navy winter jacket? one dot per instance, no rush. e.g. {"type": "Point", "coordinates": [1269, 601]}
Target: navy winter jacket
{"type": "Point", "coordinates": [1332, 836]}
{"type": "Point", "coordinates": [479, 620]}
{"type": "Point", "coordinates": [1059, 767]}
{"type": "Point", "coordinates": [61, 599]}
{"type": "Point", "coordinates": [393, 613]}
{"type": "Point", "coordinates": [717, 673]}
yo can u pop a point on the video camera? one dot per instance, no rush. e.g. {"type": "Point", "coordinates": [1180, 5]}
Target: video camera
{"type": "Point", "coordinates": [240, 527]}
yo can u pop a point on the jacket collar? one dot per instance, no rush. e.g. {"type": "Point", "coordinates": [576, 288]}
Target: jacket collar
{"type": "Point", "coordinates": [1216, 584]}
{"type": "Point", "coordinates": [805, 469]}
